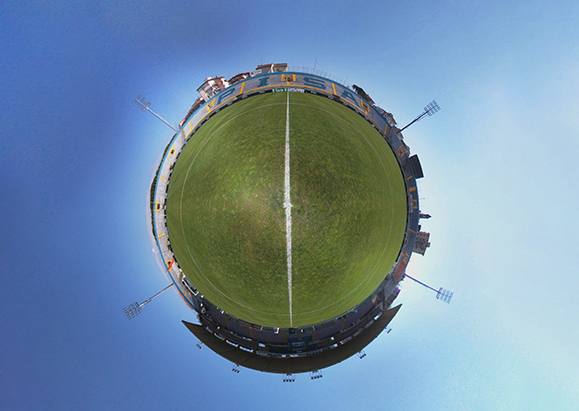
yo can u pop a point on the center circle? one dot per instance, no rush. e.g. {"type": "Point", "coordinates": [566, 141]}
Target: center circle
{"type": "Point", "coordinates": [227, 209]}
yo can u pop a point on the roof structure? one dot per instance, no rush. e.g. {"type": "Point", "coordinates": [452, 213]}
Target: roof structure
{"type": "Point", "coordinates": [261, 361]}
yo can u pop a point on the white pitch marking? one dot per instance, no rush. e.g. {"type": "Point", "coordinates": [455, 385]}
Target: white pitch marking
{"type": "Point", "coordinates": [288, 211]}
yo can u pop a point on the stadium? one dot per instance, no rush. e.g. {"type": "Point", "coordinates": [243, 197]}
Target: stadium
{"type": "Point", "coordinates": [285, 211]}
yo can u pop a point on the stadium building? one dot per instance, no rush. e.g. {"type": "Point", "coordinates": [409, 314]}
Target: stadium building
{"type": "Point", "coordinates": [285, 211]}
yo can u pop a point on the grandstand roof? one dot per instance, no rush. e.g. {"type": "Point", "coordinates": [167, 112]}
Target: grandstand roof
{"type": "Point", "coordinates": [293, 365]}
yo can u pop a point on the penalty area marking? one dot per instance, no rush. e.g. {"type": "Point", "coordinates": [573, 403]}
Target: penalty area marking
{"type": "Point", "coordinates": [288, 210]}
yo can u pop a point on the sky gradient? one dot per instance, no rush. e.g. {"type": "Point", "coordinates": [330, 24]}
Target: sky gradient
{"type": "Point", "coordinates": [77, 159]}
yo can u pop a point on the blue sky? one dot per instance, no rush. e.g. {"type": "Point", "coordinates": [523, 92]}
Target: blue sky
{"type": "Point", "coordinates": [500, 181]}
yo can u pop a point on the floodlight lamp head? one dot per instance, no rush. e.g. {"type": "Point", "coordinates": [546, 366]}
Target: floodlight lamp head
{"type": "Point", "coordinates": [315, 374]}
{"type": "Point", "coordinates": [142, 103]}
{"type": "Point", "coordinates": [132, 310]}
{"type": "Point", "coordinates": [432, 108]}
{"type": "Point", "coordinates": [289, 378]}
{"type": "Point", "coordinates": [444, 295]}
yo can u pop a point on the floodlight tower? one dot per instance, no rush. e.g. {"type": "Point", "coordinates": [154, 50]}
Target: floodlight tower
{"type": "Point", "coordinates": [430, 109]}
{"type": "Point", "coordinates": [143, 104]}
{"type": "Point", "coordinates": [134, 309]}
{"type": "Point", "coordinates": [441, 293]}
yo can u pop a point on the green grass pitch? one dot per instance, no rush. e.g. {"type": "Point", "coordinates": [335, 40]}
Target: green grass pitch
{"type": "Point", "coordinates": [227, 224]}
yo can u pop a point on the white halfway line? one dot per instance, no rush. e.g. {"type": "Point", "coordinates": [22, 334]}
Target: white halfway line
{"type": "Point", "coordinates": [288, 211]}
